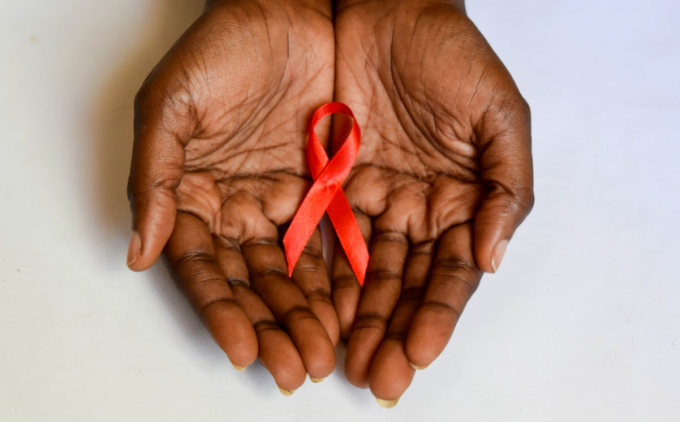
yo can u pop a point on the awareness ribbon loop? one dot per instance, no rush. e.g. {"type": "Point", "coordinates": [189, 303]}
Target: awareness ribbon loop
{"type": "Point", "coordinates": [326, 194]}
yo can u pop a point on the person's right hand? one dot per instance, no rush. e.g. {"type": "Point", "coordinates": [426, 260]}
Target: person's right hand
{"type": "Point", "coordinates": [219, 168]}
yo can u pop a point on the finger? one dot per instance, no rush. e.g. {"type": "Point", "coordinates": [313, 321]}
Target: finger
{"type": "Point", "coordinates": [391, 372]}
{"type": "Point", "coordinates": [278, 354]}
{"type": "Point", "coordinates": [311, 277]}
{"type": "Point", "coordinates": [269, 279]}
{"type": "Point", "coordinates": [276, 350]}
{"type": "Point", "coordinates": [453, 280]}
{"type": "Point", "coordinates": [346, 290]}
{"type": "Point", "coordinates": [156, 172]}
{"type": "Point", "coordinates": [190, 255]}
{"type": "Point", "coordinates": [380, 294]}
{"type": "Point", "coordinates": [507, 175]}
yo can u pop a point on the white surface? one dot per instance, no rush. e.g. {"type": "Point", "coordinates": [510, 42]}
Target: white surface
{"type": "Point", "coordinates": [581, 324]}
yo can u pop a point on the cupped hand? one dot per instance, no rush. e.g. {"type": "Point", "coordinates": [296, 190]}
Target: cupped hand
{"type": "Point", "coordinates": [218, 170]}
{"type": "Point", "coordinates": [442, 180]}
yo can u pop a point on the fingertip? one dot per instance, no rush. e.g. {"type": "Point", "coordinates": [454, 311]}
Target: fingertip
{"type": "Point", "coordinates": [280, 357]}
{"type": "Point", "coordinates": [322, 364]}
{"type": "Point", "coordinates": [427, 338]}
{"type": "Point", "coordinates": [152, 240]}
{"type": "Point", "coordinates": [486, 240]}
{"type": "Point", "coordinates": [145, 249]}
{"type": "Point", "coordinates": [239, 368]}
{"type": "Point", "coordinates": [360, 351]}
{"type": "Point", "coordinates": [154, 215]}
{"type": "Point", "coordinates": [497, 254]}
{"type": "Point", "coordinates": [391, 372]}
{"type": "Point", "coordinates": [134, 249]}
{"type": "Point", "coordinates": [285, 392]}
{"type": "Point", "coordinates": [387, 404]}
{"type": "Point", "coordinates": [495, 224]}
{"type": "Point", "coordinates": [419, 367]}
{"type": "Point", "coordinates": [232, 331]}
{"type": "Point", "coordinates": [489, 254]}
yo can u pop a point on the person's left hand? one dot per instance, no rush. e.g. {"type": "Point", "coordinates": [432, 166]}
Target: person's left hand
{"type": "Point", "coordinates": [442, 180]}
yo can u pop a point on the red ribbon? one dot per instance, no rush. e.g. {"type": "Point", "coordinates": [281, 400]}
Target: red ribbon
{"type": "Point", "coordinates": [326, 195]}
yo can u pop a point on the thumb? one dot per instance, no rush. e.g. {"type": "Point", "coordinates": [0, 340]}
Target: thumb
{"type": "Point", "coordinates": [161, 133]}
{"type": "Point", "coordinates": [507, 175]}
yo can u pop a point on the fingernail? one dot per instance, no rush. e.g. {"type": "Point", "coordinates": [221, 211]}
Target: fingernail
{"type": "Point", "coordinates": [239, 368]}
{"type": "Point", "coordinates": [418, 367]}
{"type": "Point", "coordinates": [497, 255]}
{"type": "Point", "coordinates": [387, 404]}
{"type": "Point", "coordinates": [316, 380]}
{"type": "Point", "coordinates": [286, 393]}
{"type": "Point", "coordinates": [135, 248]}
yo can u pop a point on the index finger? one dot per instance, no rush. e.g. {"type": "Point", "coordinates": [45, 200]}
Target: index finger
{"type": "Point", "coordinates": [454, 278]}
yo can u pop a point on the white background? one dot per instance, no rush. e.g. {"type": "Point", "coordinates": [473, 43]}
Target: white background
{"type": "Point", "coordinates": [582, 323]}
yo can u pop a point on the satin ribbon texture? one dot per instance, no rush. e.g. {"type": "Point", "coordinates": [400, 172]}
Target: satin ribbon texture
{"type": "Point", "coordinates": [326, 195]}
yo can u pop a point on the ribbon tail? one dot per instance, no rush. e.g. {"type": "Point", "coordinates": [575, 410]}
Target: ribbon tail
{"type": "Point", "coordinates": [349, 235]}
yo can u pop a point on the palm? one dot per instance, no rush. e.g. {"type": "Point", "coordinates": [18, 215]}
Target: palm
{"type": "Point", "coordinates": [428, 93]}
{"type": "Point", "coordinates": [236, 91]}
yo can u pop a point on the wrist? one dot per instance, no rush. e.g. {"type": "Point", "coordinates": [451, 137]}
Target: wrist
{"type": "Point", "coordinates": [341, 5]}
{"type": "Point", "coordinates": [325, 7]}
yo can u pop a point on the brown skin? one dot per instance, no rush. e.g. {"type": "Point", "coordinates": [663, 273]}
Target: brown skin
{"type": "Point", "coordinates": [443, 176]}
{"type": "Point", "coordinates": [218, 170]}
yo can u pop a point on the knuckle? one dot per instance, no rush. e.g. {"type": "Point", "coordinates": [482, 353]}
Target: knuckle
{"type": "Point", "coordinates": [318, 295]}
{"type": "Point", "coordinates": [370, 321]}
{"type": "Point", "coordinates": [383, 275]}
{"type": "Point", "coordinates": [456, 272]}
{"type": "Point", "coordinates": [387, 281]}
{"type": "Point", "coordinates": [521, 201]}
{"type": "Point", "coordinates": [345, 282]}
{"type": "Point", "coordinates": [516, 200]}
{"type": "Point", "coordinates": [177, 260]}
{"type": "Point", "coordinates": [164, 99]}
{"type": "Point", "coordinates": [312, 252]}
{"type": "Point", "coordinates": [412, 295]}
{"type": "Point", "coordinates": [266, 325]}
{"type": "Point", "coordinates": [458, 283]}
{"type": "Point", "coordinates": [389, 236]}
{"type": "Point", "coordinates": [238, 282]}
{"type": "Point", "coordinates": [525, 107]}
{"type": "Point", "coordinates": [226, 242]}
{"type": "Point", "coordinates": [214, 302]}
{"type": "Point", "coordinates": [273, 272]}
{"type": "Point", "coordinates": [297, 314]}
{"type": "Point", "coordinates": [528, 200]}
{"type": "Point", "coordinates": [455, 264]}
{"type": "Point", "coordinates": [445, 308]}
{"type": "Point", "coordinates": [399, 334]}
